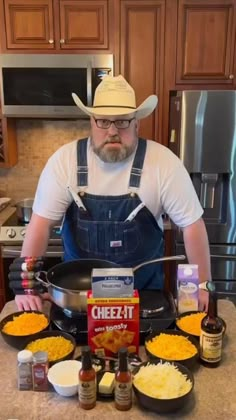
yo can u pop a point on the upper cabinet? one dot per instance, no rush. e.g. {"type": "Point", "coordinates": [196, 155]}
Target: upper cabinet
{"type": "Point", "coordinates": [206, 42]}
{"type": "Point", "coordinates": [8, 143]}
{"type": "Point", "coordinates": [57, 25]}
{"type": "Point", "coordinates": [141, 29]}
{"type": "Point", "coordinates": [29, 24]}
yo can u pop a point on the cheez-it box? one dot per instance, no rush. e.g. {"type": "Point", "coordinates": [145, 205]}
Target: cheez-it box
{"type": "Point", "coordinates": [113, 323]}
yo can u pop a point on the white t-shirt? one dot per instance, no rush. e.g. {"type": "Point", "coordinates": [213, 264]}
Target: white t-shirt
{"type": "Point", "coordinates": [165, 185]}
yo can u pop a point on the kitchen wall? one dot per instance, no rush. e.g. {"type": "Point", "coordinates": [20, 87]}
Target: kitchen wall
{"type": "Point", "coordinates": [37, 140]}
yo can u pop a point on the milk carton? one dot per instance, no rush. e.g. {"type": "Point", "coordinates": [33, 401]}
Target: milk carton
{"type": "Point", "coordinates": [187, 287]}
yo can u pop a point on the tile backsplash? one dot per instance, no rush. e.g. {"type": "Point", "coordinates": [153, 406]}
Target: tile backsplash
{"type": "Point", "coordinates": [37, 140]}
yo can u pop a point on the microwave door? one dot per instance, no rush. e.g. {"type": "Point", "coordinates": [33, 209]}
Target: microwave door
{"type": "Point", "coordinates": [41, 86]}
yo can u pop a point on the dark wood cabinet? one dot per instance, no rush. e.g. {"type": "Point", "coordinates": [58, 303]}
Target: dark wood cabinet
{"type": "Point", "coordinates": [55, 25]}
{"type": "Point", "coordinates": [206, 41]}
{"type": "Point", "coordinates": [29, 24]}
{"type": "Point", "coordinates": [2, 284]}
{"type": "Point", "coordinates": [8, 143]}
{"type": "Point", "coordinates": [84, 24]}
{"type": "Point", "coordinates": [141, 28]}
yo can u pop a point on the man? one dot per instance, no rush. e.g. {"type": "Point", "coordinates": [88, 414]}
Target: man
{"type": "Point", "coordinates": [95, 184]}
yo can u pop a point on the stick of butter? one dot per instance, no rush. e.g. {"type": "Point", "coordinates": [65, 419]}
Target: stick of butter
{"type": "Point", "coordinates": [107, 383]}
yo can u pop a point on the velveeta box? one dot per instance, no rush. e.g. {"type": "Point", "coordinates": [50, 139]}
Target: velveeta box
{"type": "Point", "coordinates": [113, 323]}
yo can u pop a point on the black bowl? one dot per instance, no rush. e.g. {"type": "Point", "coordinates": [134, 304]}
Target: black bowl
{"type": "Point", "coordinates": [45, 334]}
{"type": "Point", "coordinates": [190, 362]}
{"type": "Point", "coordinates": [191, 313]}
{"type": "Point", "coordinates": [164, 405]}
{"type": "Point", "coordinates": [18, 341]}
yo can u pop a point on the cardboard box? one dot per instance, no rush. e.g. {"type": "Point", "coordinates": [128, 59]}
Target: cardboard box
{"type": "Point", "coordinates": [113, 323]}
{"type": "Point", "coordinates": [112, 282]}
{"type": "Point", "coordinates": [187, 287]}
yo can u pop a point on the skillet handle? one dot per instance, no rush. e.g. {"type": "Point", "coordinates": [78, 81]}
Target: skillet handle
{"type": "Point", "coordinates": [157, 260]}
{"type": "Point", "coordinates": [37, 276]}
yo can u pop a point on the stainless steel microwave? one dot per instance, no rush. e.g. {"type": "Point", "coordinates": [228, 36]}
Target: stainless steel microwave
{"type": "Point", "coordinates": [40, 85]}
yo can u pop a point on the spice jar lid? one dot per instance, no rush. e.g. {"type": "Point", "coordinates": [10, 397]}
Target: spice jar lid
{"type": "Point", "coordinates": [25, 356]}
{"type": "Point", "coordinates": [40, 357]}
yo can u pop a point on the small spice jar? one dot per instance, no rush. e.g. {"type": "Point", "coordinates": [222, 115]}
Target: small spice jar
{"type": "Point", "coordinates": [40, 371]}
{"type": "Point", "coordinates": [24, 359]}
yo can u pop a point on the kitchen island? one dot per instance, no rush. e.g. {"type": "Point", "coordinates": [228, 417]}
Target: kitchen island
{"type": "Point", "coordinates": [214, 396]}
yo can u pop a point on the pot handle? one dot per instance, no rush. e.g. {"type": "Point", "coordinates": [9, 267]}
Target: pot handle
{"type": "Point", "coordinates": [157, 260]}
{"type": "Point", "coordinates": [37, 276]}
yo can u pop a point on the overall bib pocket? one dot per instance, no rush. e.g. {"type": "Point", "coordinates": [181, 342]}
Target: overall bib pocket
{"type": "Point", "coordinates": [112, 239]}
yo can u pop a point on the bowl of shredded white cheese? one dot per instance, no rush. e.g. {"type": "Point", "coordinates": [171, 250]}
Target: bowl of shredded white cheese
{"type": "Point", "coordinates": [163, 387]}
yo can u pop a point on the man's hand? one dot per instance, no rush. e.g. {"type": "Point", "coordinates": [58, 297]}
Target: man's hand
{"type": "Point", "coordinates": [31, 302]}
{"type": "Point", "coordinates": [203, 300]}
{"type": "Point", "coordinates": [28, 302]}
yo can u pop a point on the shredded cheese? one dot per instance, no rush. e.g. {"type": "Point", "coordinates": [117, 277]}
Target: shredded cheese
{"type": "Point", "coordinates": [171, 347]}
{"type": "Point", "coordinates": [25, 324]}
{"type": "Point", "coordinates": [56, 347]}
{"type": "Point", "coordinates": [163, 381]}
{"type": "Point", "coordinates": [191, 323]}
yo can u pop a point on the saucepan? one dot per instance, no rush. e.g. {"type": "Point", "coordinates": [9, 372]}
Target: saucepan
{"type": "Point", "coordinates": [68, 282]}
{"type": "Point", "coordinates": [24, 209]}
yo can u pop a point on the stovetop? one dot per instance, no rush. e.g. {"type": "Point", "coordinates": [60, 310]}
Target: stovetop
{"type": "Point", "coordinates": [13, 232]}
{"type": "Point", "coordinates": [76, 323]}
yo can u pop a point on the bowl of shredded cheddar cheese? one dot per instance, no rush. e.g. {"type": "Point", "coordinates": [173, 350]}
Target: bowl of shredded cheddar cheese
{"type": "Point", "coordinates": [18, 327]}
{"type": "Point", "coordinates": [163, 387]}
{"type": "Point", "coordinates": [173, 346]}
{"type": "Point", "coordinates": [59, 345]}
{"type": "Point", "coordinates": [190, 323]}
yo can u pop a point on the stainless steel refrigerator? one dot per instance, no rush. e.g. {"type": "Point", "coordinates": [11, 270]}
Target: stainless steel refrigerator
{"type": "Point", "coordinates": [203, 134]}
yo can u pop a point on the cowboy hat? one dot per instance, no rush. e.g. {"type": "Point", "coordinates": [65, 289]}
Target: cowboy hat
{"type": "Point", "coordinates": [114, 96]}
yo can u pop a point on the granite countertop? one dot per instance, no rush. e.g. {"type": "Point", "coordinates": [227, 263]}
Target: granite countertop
{"type": "Point", "coordinates": [213, 399]}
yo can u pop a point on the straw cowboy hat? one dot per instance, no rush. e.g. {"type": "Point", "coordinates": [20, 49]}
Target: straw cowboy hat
{"type": "Point", "coordinates": [114, 96]}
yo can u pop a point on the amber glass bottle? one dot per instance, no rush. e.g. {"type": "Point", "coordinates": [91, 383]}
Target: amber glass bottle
{"type": "Point", "coordinates": [211, 335]}
{"type": "Point", "coordinates": [87, 381]}
{"type": "Point", "coordinates": [123, 382]}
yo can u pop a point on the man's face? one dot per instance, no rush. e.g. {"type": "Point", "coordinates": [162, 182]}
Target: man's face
{"type": "Point", "coordinates": [114, 144]}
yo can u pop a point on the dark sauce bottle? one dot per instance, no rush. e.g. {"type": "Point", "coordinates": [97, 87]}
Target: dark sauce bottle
{"type": "Point", "coordinates": [211, 335]}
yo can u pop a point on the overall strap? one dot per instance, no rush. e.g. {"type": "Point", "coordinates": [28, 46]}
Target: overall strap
{"type": "Point", "coordinates": [82, 165]}
{"type": "Point", "coordinates": [136, 171]}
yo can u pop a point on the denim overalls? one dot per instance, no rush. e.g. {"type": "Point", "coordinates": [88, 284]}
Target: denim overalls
{"type": "Point", "coordinates": [101, 231]}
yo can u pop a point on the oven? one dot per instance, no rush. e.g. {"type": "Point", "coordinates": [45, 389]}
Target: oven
{"type": "Point", "coordinates": [12, 234]}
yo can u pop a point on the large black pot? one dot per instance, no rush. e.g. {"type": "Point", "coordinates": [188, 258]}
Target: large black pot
{"type": "Point", "coordinates": [68, 282]}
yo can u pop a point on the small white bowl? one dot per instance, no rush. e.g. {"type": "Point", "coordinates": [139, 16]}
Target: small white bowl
{"type": "Point", "coordinates": [64, 376]}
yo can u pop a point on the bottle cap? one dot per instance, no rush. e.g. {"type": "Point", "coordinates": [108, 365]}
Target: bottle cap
{"type": "Point", "coordinates": [25, 356]}
{"type": "Point", "coordinates": [40, 357]}
{"type": "Point", "coordinates": [86, 357]}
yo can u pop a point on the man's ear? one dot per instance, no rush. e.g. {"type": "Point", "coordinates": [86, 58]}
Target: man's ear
{"type": "Point", "coordinates": [137, 126]}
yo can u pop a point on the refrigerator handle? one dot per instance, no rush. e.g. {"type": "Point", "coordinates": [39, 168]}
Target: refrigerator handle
{"type": "Point", "coordinates": [229, 257]}
{"type": "Point", "coordinates": [207, 192]}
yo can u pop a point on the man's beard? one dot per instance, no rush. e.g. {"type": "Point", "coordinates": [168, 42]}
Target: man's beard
{"type": "Point", "coordinates": [111, 155]}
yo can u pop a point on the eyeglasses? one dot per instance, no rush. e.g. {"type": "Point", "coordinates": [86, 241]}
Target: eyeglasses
{"type": "Point", "coordinates": [120, 124]}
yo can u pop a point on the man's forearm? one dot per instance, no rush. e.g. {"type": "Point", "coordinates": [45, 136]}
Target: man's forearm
{"type": "Point", "coordinates": [197, 248]}
{"type": "Point", "coordinates": [37, 237]}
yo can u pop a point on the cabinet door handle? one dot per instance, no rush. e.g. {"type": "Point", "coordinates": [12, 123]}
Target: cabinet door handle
{"type": "Point", "coordinates": [51, 41]}
{"type": "Point", "coordinates": [231, 76]}
{"type": "Point", "coordinates": [62, 41]}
